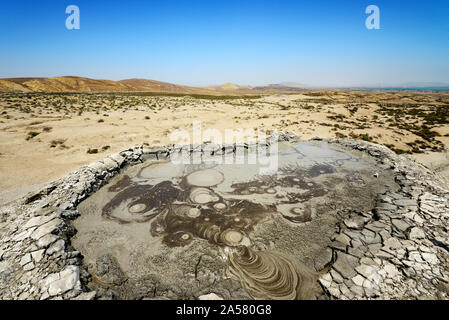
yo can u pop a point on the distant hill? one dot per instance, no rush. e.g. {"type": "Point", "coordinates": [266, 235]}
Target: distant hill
{"type": "Point", "coordinates": [80, 84]}
{"type": "Point", "coordinates": [145, 85]}
{"type": "Point", "coordinates": [231, 86]}
{"type": "Point", "coordinates": [294, 85]}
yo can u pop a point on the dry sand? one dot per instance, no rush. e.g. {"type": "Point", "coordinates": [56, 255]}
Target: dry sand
{"type": "Point", "coordinates": [68, 125]}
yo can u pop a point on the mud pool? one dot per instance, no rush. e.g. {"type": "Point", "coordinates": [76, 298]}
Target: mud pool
{"type": "Point", "coordinates": [180, 231]}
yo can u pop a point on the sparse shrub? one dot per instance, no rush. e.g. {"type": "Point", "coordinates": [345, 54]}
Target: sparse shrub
{"type": "Point", "coordinates": [32, 134]}
{"type": "Point", "coordinates": [399, 151]}
{"type": "Point", "coordinates": [365, 137]}
{"type": "Point", "coordinates": [92, 151]}
{"type": "Point", "coordinates": [55, 143]}
{"type": "Point", "coordinates": [340, 135]}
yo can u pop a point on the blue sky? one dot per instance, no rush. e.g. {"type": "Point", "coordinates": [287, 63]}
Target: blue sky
{"type": "Point", "coordinates": [216, 41]}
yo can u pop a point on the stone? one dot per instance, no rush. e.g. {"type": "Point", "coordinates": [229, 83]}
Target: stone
{"type": "Point", "coordinates": [69, 214]}
{"type": "Point", "coordinates": [368, 233]}
{"type": "Point", "coordinates": [69, 279]}
{"type": "Point", "coordinates": [343, 239]}
{"type": "Point", "coordinates": [325, 280]}
{"type": "Point", "coordinates": [400, 224]}
{"type": "Point", "coordinates": [29, 266]}
{"type": "Point", "coordinates": [405, 202]}
{"type": "Point", "coordinates": [38, 255]}
{"type": "Point", "coordinates": [354, 222]}
{"type": "Point", "coordinates": [109, 164]}
{"type": "Point", "coordinates": [345, 292]}
{"type": "Point", "coordinates": [210, 296]}
{"type": "Point", "coordinates": [334, 291]}
{"type": "Point", "coordinates": [391, 270]}
{"type": "Point", "coordinates": [46, 228]}
{"type": "Point", "coordinates": [356, 252]}
{"type": "Point", "coordinates": [324, 259]}
{"type": "Point", "coordinates": [46, 240]}
{"type": "Point", "coordinates": [38, 221]}
{"type": "Point", "coordinates": [338, 245]}
{"type": "Point", "coordinates": [374, 248]}
{"type": "Point", "coordinates": [336, 276]}
{"type": "Point", "coordinates": [346, 264]}
{"type": "Point", "coordinates": [415, 256]}
{"type": "Point", "coordinates": [368, 261]}
{"type": "Point", "coordinates": [416, 233]}
{"type": "Point", "coordinates": [357, 290]}
{"type": "Point", "coordinates": [66, 205]}
{"type": "Point", "coordinates": [384, 254]}
{"type": "Point", "coordinates": [49, 279]}
{"type": "Point", "coordinates": [117, 158]}
{"type": "Point", "coordinates": [392, 243]}
{"type": "Point", "coordinates": [56, 247]}
{"type": "Point", "coordinates": [356, 243]}
{"type": "Point", "coordinates": [400, 253]}
{"type": "Point", "coordinates": [384, 234]}
{"type": "Point", "coordinates": [386, 206]}
{"type": "Point", "coordinates": [24, 296]}
{"type": "Point", "coordinates": [358, 280]}
{"type": "Point", "coordinates": [23, 235]}
{"type": "Point", "coordinates": [367, 271]}
{"type": "Point", "coordinates": [86, 296]}
{"type": "Point", "coordinates": [44, 296]}
{"type": "Point", "coordinates": [372, 239]}
{"type": "Point", "coordinates": [97, 167]}
{"type": "Point", "coordinates": [25, 259]}
{"type": "Point", "coordinates": [430, 258]}
{"type": "Point", "coordinates": [370, 292]}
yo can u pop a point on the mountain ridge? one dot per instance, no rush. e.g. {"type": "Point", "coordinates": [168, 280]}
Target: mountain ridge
{"type": "Point", "coordinates": [83, 84]}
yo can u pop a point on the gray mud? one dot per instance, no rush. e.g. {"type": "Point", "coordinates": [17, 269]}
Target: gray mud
{"type": "Point", "coordinates": [185, 230]}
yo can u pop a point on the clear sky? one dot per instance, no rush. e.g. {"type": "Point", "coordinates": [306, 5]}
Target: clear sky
{"type": "Point", "coordinates": [216, 41]}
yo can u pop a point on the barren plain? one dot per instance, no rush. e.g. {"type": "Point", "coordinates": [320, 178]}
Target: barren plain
{"type": "Point", "coordinates": [44, 136]}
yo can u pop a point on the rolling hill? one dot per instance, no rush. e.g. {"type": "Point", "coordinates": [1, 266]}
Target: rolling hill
{"type": "Point", "coordinates": [81, 84]}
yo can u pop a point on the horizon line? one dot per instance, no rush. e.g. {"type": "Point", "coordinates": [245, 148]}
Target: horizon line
{"type": "Point", "coordinates": [295, 84]}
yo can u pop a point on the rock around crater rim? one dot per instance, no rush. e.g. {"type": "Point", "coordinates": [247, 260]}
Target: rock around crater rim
{"type": "Point", "coordinates": [398, 250]}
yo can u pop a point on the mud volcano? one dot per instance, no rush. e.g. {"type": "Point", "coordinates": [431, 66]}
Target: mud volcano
{"type": "Point", "coordinates": [181, 231]}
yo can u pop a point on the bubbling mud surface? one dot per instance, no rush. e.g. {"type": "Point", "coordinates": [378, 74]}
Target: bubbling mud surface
{"type": "Point", "coordinates": [267, 233]}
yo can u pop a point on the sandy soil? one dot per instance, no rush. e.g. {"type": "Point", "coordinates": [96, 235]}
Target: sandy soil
{"type": "Point", "coordinates": [44, 137]}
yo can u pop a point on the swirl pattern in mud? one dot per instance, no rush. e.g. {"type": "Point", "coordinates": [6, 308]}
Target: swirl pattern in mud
{"type": "Point", "coordinates": [166, 207]}
{"type": "Point", "coordinates": [272, 275]}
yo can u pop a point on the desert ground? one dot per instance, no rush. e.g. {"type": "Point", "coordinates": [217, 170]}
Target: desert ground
{"type": "Point", "coordinates": [44, 136]}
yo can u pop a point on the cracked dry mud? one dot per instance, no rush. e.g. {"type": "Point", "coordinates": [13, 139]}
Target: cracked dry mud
{"type": "Point", "coordinates": [339, 219]}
